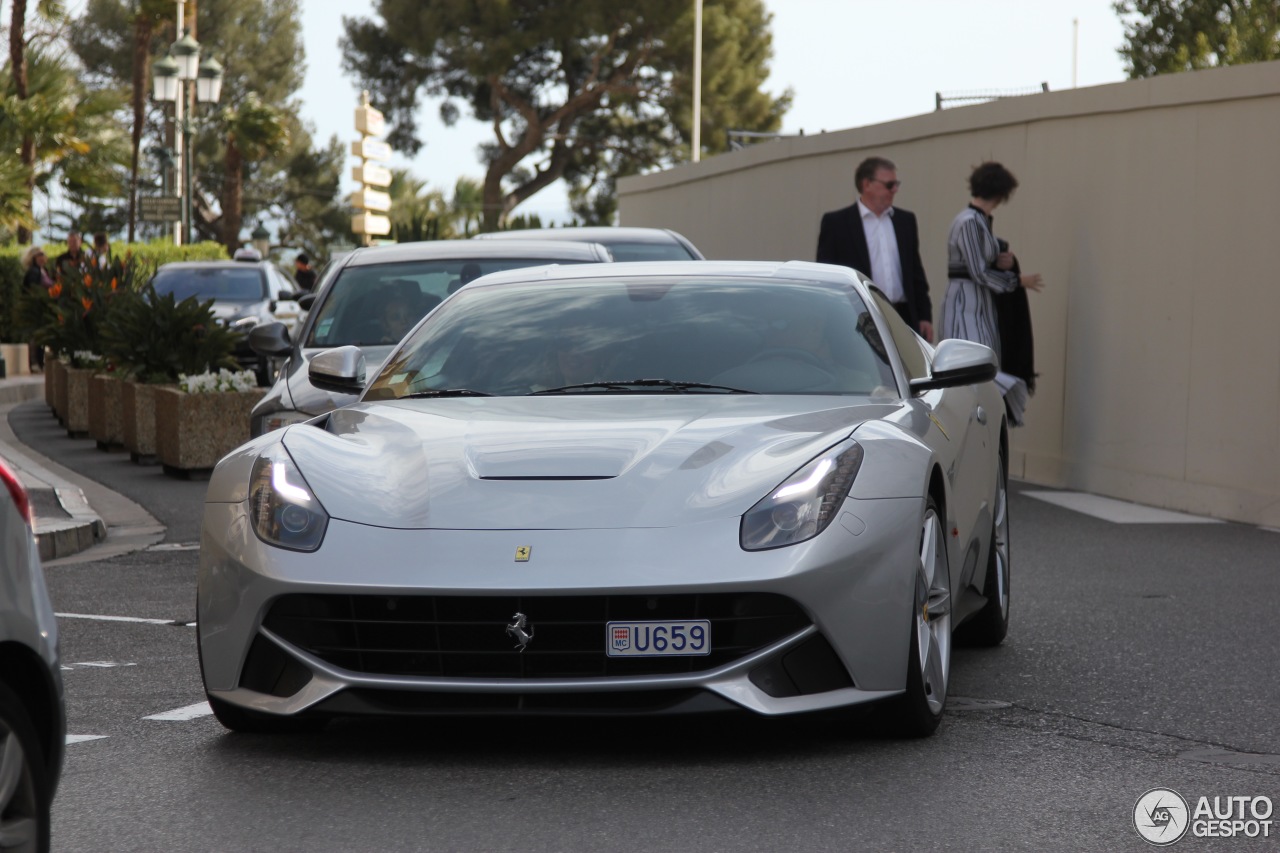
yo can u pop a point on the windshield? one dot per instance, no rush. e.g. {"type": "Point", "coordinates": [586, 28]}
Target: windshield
{"type": "Point", "coordinates": [378, 303]}
{"type": "Point", "coordinates": [222, 284]}
{"type": "Point", "coordinates": [649, 335]}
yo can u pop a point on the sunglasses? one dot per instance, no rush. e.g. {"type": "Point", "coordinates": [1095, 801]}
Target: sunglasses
{"type": "Point", "coordinates": [889, 185]}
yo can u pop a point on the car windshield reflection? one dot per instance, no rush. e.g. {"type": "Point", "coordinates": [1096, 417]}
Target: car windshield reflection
{"type": "Point", "coordinates": [643, 336]}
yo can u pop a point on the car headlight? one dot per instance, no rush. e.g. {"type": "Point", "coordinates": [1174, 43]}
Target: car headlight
{"type": "Point", "coordinates": [284, 511]}
{"type": "Point", "coordinates": [805, 503]}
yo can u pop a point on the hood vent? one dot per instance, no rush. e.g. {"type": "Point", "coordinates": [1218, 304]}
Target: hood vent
{"type": "Point", "coordinates": [540, 478]}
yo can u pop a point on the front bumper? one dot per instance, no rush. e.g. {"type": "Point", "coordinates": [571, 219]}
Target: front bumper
{"type": "Point", "coordinates": [853, 586]}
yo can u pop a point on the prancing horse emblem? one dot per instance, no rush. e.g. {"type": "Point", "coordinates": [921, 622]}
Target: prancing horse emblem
{"type": "Point", "coordinates": [517, 630]}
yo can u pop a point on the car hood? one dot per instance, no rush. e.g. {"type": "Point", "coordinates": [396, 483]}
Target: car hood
{"type": "Point", "coordinates": [565, 462]}
{"type": "Point", "coordinates": [234, 310]}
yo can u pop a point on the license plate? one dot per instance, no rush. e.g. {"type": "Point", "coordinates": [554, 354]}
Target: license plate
{"type": "Point", "coordinates": [658, 639]}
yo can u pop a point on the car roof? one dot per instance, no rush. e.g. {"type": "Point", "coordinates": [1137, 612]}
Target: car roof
{"type": "Point", "coordinates": [551, 250]}
{"type": "Point", "coordinates": [796, 270]}
{"type": "Point", "coordinates": [196, 265]}
{"type": "Point", "coordinates": [600, 233]}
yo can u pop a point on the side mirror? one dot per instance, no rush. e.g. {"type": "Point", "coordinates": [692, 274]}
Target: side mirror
{"type": "Point", "coordinates": [289, 296]}
{"type": "Point", "coordinates": [270, 339]}
{"type": "Point", "coordinates": [306, 300]}
{"type": "Point", "coordinates": [338, 369]}
{"type": "Point", "coordinates": [956, 363]}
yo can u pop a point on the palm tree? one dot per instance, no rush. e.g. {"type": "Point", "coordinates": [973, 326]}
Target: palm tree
{"type": "Point", "coordinates": [255, 131]}
{"type": "Point", "coordinates": [468, 205]}
{"type": "Point", "coordinates": [72, 135]}
{"type": "Point", "coordinates": [417, 213]}
{"type": "Point", "coordinates": [51, 10]}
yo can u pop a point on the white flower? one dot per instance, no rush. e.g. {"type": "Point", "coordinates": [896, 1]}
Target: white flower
{"type": "Point", "coordinates": [212, 383]}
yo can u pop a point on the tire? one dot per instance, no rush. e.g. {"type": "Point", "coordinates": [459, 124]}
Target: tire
{"type": "Point", "coordinates": [918, 711]}
{"type": "Point", "coordinates": [25, 789]}
{"type": "Point", "coordinates": [243, 720]}
{"type": "Point", "coordinates": [989, 625]}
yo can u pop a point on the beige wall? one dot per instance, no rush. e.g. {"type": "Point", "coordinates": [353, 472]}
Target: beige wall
{"type": "Point", "coordinates": [1152, 208]}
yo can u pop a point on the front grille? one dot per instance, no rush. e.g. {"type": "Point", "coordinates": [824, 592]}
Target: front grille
{"type": "Point", "coordinates": [465, 636]}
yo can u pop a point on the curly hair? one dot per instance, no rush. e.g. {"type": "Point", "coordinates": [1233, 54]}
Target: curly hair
{"type": "Point", "coordinates": [992, 181]}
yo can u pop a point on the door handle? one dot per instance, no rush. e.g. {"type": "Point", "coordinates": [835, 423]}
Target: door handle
{"type": "Point", "coordinates": [980, 415]}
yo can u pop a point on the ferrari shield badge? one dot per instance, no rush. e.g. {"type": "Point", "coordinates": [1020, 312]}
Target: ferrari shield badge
{"type": "Point", "coordinates": [523, 552]}
{"type": "Point", "coordinates": [520, 630]}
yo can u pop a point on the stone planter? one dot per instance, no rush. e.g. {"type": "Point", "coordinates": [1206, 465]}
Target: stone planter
{"type": "Point", "coordinates": [16, 359]}
{"type": "Point", "coordinates": [106, 411]}
{"type": "Point", "coordinates": [138, 401]}
{"type": "Point", "coordinates": [76, 417]}
{"type": "Point", "coordinates": [55, 387]}
{"type": "Point", "coordinates": [194, 431]}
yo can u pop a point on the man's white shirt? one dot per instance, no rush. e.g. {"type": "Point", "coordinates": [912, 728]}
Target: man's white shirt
{"type": "Point", "coordinates": [882, 246]}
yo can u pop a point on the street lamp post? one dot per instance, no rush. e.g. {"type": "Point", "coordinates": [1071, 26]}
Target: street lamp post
{"type": "Point", "coordinates": [173, 78]}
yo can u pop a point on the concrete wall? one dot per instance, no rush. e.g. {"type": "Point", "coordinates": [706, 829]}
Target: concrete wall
{"type": "Point", "coordinates": [1152, 208]}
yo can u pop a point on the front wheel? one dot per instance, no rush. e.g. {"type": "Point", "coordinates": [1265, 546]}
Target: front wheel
{"type": "Point", "coordinates": [918, 711]}
{"type": "Point", "coordinates": [24, 786]}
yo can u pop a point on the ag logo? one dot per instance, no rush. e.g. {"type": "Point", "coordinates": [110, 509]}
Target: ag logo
{"type": "Point", "coordinates": [1161, 816]}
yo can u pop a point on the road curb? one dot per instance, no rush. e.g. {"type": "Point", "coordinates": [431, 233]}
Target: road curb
{"type": "Point", "coordinates": [82, 528]}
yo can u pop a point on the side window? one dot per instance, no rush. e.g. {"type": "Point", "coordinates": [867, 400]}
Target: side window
{"type": "Point", "coordinates": [911, 347]}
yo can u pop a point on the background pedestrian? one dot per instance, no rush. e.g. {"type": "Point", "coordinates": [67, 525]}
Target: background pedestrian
{"type": "Point", "coordinates": [35, 286]}
{"type": "Point", "coordinates": [980, 267]}
{"type": "Point", "coordinates": [303, 275]}
{"type": "Point", "coordinates": [74, 259]}
{"type": "Point", "coordinates": [882, 242]}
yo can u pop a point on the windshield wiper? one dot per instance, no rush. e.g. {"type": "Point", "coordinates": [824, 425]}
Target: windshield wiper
{"type": "Point", "coordinates": [445, 392]}
{"type": "Point", "coordinates": [641, 385]}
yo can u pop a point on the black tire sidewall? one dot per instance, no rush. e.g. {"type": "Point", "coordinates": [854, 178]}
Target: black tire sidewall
{"type": "Point", "coordinates": [14, 718]}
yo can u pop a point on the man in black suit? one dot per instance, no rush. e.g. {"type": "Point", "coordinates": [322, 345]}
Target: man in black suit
{"type": "Point", "coordinates": [882, 242]}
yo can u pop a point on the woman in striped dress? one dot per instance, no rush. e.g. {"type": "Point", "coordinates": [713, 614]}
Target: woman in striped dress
{"type": "Point", "coordinates": [977, 270]}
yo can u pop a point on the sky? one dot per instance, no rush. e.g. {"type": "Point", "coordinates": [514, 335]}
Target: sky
{"type": "Point", "coordinates": [849, 63]}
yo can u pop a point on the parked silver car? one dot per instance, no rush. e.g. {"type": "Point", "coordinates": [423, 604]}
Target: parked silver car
{"type": "Point", "coordinates": [245, 294]}
{"type": "Point", "coordinates": [619, 488]}
{"type": "Point", "coordinates": [33, 724]}
{"type": "Point", "coordinates": [370, 298]}
{"type": "Point", "coordinates": [625, 243]}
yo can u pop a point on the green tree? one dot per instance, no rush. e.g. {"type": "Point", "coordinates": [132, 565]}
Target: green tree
{"type": "Point", "coordinates": [581, 90]}
{"type": "Point", "coordinates": [306, 201]}
{"type": "Point", "coordinates": [254, 131]}
{"type": "Point", "coordinates": [259, 44]}
{"type": "Point", "coordinates": [1165, 36]}
{"type": "Point", "coordinates": [75, 141]}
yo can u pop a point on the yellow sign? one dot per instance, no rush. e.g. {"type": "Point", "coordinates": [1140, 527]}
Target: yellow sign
{"type": "Point", "coordinates": [523, 552]}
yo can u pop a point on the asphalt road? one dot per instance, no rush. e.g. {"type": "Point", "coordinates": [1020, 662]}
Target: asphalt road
{"type": "Point", "coordinates": [1140, 656]}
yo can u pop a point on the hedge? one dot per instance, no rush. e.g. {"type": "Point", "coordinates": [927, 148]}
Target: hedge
{"type": "Point", "coordinates": [152, 254]}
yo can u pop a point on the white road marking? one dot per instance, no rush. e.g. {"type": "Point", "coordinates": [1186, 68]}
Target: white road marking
{"type": "Point", "coordinates": [190, 712]}
{"type": "Point", "coordinates": [122, 619]}
{"type": "Point", "coordinates": [176, 546]}
{"type": "Point", "coordinates": [83, 738]}
{"type": "Point", "coordinates": [1118, 512]}
{"type": "Point", "coordinates": [99, 664]}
